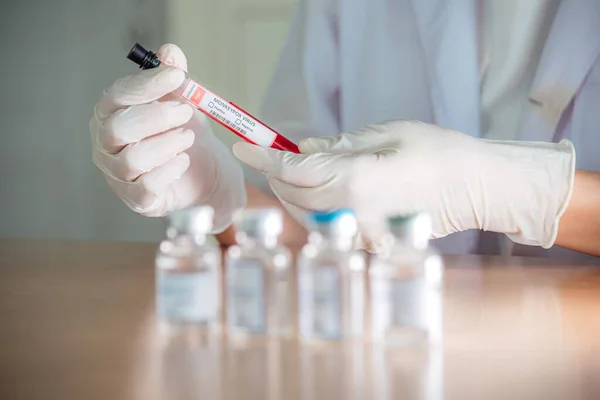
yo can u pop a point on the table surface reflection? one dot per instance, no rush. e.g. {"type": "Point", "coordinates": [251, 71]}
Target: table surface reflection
{"type": "Point", "coordinates": [77, 322]}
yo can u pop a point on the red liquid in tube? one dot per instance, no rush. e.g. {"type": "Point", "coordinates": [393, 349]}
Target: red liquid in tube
{"type": "Point", "coordinates": [233, 117]}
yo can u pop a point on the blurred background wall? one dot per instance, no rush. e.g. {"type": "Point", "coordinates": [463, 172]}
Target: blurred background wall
{"type": "Point", "coordinates": [59, 55]}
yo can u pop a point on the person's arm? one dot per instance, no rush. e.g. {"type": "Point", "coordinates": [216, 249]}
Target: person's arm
{"type": "Point", "coordinates": [159, 156]}
{"type": "Point", "coordinates": [526, 190]}
{"type": "Point", "coordinates": [579, 227]}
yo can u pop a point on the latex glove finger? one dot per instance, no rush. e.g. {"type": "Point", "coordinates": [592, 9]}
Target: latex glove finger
{"type": "Point", "coordinates": [170, 54]}
{"type": "Point", "coordinates": [368, 140]}
{"type": "Point", "coordinates": [144, 156]}
{"type": "Point", "coordinates": [296, 169]}
{"type": "Point", "coordinates": [329, 196]}
{"type": "Point", "coordinates": [150, 194]}
{"type": "Point", "coordinates": [298, 213]}
{"type": "Point", "coordinates": [145, 87]}
{"type": "Point", "coordinates": [370, 238]}
{"type": "Point", "coordinates": [138, 122]}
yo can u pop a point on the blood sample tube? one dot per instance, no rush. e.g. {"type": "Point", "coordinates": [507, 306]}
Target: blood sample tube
{"type": "Point", "coordinates": [226, 113]}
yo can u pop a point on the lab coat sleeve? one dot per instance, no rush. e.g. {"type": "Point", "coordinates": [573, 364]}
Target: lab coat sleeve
{"type": "Point", "coordinates": [302, 98]}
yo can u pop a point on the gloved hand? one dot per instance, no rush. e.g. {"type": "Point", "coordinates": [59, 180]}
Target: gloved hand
{"type": "Point", "coordinates": [159, 155]}
{"type": "Point", "coordinates": [517, 188]}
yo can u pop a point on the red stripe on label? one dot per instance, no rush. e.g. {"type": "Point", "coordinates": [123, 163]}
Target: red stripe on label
{"type": "Point", "coordinates": [198, 95]}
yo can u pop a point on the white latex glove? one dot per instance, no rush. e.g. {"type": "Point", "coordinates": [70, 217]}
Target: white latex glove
{"type": "Point", "coordinates": [517, 188]}
{"type": "Point", "coordinates": [159, 155]}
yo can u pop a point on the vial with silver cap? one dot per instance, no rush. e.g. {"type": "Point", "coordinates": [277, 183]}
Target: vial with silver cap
{"type": "Point", "coordinates": [405, 284]}
{"type": "Point", "coordinates": [331, 279]}
{"type": "Point", "coordinates": [258, 276]}
{"type": "Point", "coordinates": [188, 271]}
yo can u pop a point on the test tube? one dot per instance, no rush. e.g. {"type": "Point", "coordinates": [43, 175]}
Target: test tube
{"type": "Point", "coordinates": [226, 113]}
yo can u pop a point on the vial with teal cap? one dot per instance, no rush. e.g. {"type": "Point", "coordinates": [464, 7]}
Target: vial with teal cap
{"type": "Point", "coordinates": [331, 279]}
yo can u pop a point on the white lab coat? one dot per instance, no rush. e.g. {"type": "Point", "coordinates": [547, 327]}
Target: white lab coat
{"type": "Point", "coordinates": [350, 63]}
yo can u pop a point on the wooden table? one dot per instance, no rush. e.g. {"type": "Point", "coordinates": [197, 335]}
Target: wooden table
{"type": "Point", "coordinates": [77, 322]}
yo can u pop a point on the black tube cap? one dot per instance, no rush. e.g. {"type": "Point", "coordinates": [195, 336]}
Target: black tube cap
{"type": "Point", "coordinates": [144, 58]}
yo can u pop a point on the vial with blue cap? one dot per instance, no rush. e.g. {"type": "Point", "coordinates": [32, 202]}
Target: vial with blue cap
{"type": "Point", "coordinates": [188, 271]}
{"type": "Point", "coordinates": [258, 276]}
{"type": "Point", "coordinates": [405, 283]}
{"type": "Point", "coordinates": [331, 279]}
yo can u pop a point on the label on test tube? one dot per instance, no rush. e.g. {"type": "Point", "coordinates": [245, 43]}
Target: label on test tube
{"type": "Point", "coordinates": [246, 296]}
{"type": "Point", "coordinates": [228, 114]}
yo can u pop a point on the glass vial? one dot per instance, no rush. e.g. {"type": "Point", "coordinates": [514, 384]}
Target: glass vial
{"type": "Point", "coordinates": [405, 284]}
{"type": "Point", "coordinates": [331, 279]}
{"type": "Point", "coordinates": [188, 271]}
{"type": "Point", "coordinates": [258, 276]}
